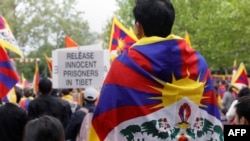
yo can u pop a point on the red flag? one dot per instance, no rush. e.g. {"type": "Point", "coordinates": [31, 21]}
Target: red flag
{"type": "Point", "coordinates": [120, 38]}
{"type": "Point", "coordinates": [8, 75]}
{"type": "Point", "coordinates": [36, 79]}
{"type": "Point", "coordinates": [69, 42]}
{"type": "Point", "coordinates": [49, 64]}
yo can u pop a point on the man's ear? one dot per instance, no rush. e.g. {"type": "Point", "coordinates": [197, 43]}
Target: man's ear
{"type": "Point", "coordinates": [139, 32]}
{"type": "Point", "coordinates": [243, 121]}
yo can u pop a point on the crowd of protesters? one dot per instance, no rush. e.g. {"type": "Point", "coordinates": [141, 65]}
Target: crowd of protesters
{"type": "Point", "coordinates": [234, 102]}
{"type": "Point", "coordinates": [50, 114]}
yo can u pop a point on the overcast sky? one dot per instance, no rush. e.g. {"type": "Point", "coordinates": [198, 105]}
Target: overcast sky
{"type": "Point", "coordinates": [97, 12]}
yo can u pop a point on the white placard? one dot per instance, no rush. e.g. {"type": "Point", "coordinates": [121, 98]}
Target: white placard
{"type": "Point", "coordinates": [77, 68]}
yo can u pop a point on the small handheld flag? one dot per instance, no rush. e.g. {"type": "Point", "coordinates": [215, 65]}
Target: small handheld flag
{"type": "Point", "coordinates": [121, 38]}
{"type": "Point", "coordinates": [69, 42]}
{"type": "Point", "coordinates": [49, 64]}
{"type": "Point", "coordinates": [240, 79]}
{"type": "Point", "coordinates": [7, 39]}
{"type": "Point", "coordinates": [8, 76]}
{"type": "Point", "coordinates": [36, 79]}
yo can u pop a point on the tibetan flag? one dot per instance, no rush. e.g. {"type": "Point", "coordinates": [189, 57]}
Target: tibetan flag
{"type": "Point", "coordinates": [69, 42]}
{"type": "Point", "coordinates": [24, 82]}
{"type": "Point", "coordinates": [49, 64]}
{"type": "Point", "coordinates": [240, 79]}
{"type": "Point", "coordinates": [36, 79]}
{"type": "Point", "coordinates": [7, 39]}
{"type": "Point", "coordinates": [8, 75]}
{"type": "Point", "coordinates": [121, 38]}
{"type": "Point", "coordinates": [234, 69]}
{"type": "Point", "coordinates": [187, 38]}
{"type": "Point", "coordinates": [11, 96]}
{"type": "Point", "coordinates": [161, 89]}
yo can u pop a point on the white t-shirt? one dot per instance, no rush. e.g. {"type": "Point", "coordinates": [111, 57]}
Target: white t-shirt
{"type": "Point", "coordinates": [231, 111]}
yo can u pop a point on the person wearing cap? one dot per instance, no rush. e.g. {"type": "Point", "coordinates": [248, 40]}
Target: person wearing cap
{"type": "Point", "coordinates": [89, 98]}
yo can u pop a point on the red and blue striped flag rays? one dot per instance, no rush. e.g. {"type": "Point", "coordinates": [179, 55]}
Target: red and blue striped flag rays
{"type": "Point", "coordinates": [8, 76]}
{"type": "Point", "coordinates": [120, 38]}
{"type": "Point", "coordinates": [162, 93]}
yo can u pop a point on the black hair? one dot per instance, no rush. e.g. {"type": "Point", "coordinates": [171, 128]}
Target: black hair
{"type": "Point", "coordinates": [242, 107]}
{"type": "Point", "coordinates": [245, 91]}
{"type": "Point", "coordinates": [44, 128]}
{"type": "Point", "coordinates": [45, 86]}
{"type": "Point", "coordinates": [19, 94]}
{"type": "Point", "coordinates": [28, 92]}
{"type": "Point", "coordinates": [66, 91]}
{"type": "Point", "coordinates": [156, 16]}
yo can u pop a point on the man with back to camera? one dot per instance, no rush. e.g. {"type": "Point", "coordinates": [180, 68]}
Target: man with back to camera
{"type": "Point", "coordinates": [89, 98]}
{"type": "Point", "coordinates": [161, 89]}
{"type": "Point", "coordinates": [45, 104]}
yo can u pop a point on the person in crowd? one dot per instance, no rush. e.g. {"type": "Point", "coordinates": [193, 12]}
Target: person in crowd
{"type": "Point", "coordinates": [55, 92]}
{"type": "Point", "coordinates": [12, 120]}
{"type": "Point", "coordinates": [28, 96]}
{"type": "Point", "coordinates": [230, 115]}
{"type": "Point", "coordinates": [159, 80]}
{"type": "Point", "coordinates": [44, 128]}
{"type": "Point", "coordinates": [49, 105]}
{"type": "Point", "coordinates": [222, 88]}
{"type": "Point", "coordinates": [227, 100]}
{"type": "Point", "coordinates": [66, 94]}
{"type": "Point", "coordinates": [242, 113]}
{"type": "Point", "coordinates": [89, 98]}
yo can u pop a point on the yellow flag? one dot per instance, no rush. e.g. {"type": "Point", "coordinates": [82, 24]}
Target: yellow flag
{"type": "Point", "coordinates": [187, 38]}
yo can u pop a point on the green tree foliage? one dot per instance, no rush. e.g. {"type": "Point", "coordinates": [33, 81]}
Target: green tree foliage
{"type": "Point", "coordinates": [219, 30]}
{"type": "Point", "coordinates": [43, 25]}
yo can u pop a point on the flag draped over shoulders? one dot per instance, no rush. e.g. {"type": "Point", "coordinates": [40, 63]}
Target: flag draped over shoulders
{"type": "Point", "coordinates": [160, 89]}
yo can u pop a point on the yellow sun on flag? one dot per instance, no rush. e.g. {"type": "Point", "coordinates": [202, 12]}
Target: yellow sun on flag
{"type": "Point", "coordinates": [121, 44]}
{"type": "Point", "coordinates": [178, 89]}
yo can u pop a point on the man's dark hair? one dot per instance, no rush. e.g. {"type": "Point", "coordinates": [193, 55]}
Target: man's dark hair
{"type": "Point", "coordinates": [45, 86]}
{"type": "Point", "coordinates": [44, 128]}
{"type": "Point", "coordinates": [245, 91]}
{"type": "Point", "coordinates": [155, 16]}
{"type": "Point", "coordinates": [19, 94]}
{"type": "Point", "coordinates": [243, 106]}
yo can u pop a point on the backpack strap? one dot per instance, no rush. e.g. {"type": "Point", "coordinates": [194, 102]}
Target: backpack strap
{"type": "Point", "coordinates": [84, 109]}
{"type": "Point", "coordinates": [83, 132]}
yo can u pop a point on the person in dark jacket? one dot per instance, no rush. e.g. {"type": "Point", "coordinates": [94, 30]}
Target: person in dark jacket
{"type": "Point", "coordinates": [89, 98]}
{"type": "Point", "coordinates": [45, 104]}
{"type": "Point", "coordinates": [12, 120]}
